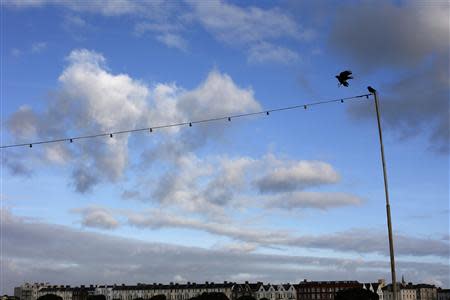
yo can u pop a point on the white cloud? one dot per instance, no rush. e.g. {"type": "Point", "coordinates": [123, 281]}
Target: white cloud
{"type": "Point", "coordinates": [72, 22]}
{"type": "Point", "coordinates": [23, 123]}
{"type": "Point", "coordinates": [214, 184]}
{"type": "Point", "coordinates": [251, 27]}
{"type": "Point", "coordinates": [318, 200]}
{"type": "Point", "coordinates": [16, 52]}
{"type": "Point", "coordinates": [57, 154]}
{"type": "Point", "coordinates": [233, 24]}
{"type": "Point", "coordinates": [107, 8]}
{"type": "Point", "coordinates": [168, 33]}
{"type": "Point", "coordinates": [157, 220]}
{"type": "Point", "coordinates": [172, 40]}
{"type": "Point", "coordinates": [179, 278]}
{"type": "Point", "coordinates": [292, 175]}
{"type": "Point", "coordinates": [249, 238]}
{"type": "Point", "coordinates": [266, 52]}
{"type": "Point", "coordinates": [247, 27]}
{"type": "Point", "coordinates": [38, 47]}
{"type": "Point", "coordinates": [97, 217]}
{"type": "Point", "coordinates": [93, 99]}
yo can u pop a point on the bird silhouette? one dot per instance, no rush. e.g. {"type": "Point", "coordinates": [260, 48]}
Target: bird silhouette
{"type": "Point", "coordinates": [343, 77]}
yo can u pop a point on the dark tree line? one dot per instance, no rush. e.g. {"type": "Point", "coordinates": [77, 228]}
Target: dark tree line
{"type": "Point", "coordinates": [50, 297]}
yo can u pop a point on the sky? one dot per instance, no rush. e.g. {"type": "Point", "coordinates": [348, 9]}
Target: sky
{"type": "Point", "coordinates": [283, 197]}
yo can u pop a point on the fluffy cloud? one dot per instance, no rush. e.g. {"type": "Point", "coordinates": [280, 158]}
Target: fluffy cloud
{"type": "Point", "coordinates": [38, 47]}
{"type": "Point", "coordinates": [256, 30]}
{"type": "Point", "coordinates": [266, 52]}
{"type": "Point", "coordinates": [23, 123]}
{"type": "Point", "coordinates": [412, 103]}
{"type": "Point", "coordinates": [47, 252]}
{"type": "Point", "coordinates": [172, 40]}
{"type": "Point", "coordinates": [97, 217]}
{"type": "Point", "coordinates": [288, 176]}
{"type": "Point", "coordinates": [92, 99]}
{"type": "Point", "coordinates": [215, 184]}
{"type": "Point", "coordinates": [231, 23]}
{"type": "Point", "coordinates": [251, 27]}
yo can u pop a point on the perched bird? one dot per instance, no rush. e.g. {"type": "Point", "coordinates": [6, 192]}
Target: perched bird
{"type": "Point", "coordinates": [371, 90]}
{"type": "Point", "coordinates": [343, 77]}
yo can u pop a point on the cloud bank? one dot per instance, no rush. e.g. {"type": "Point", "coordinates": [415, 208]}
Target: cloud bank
{"type": "Point", "coordinates": [35, 251]}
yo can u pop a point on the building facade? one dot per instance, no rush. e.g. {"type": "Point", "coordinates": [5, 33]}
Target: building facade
{"type": "Point", "coordinates": [29, 291]}
{"type": "Point", "coordinates": [305, 290]}
{"type": "Point", "coordinates": [172, 291]}
{"type": "Point", "coordinates": [426, 292]}
{"type": "Point", "coordinates": [274, 291]}
{"type": "Point", "coordinates": [404, 292]}
{"type": "Point", "coordinates": [63, 291]}
{"type": "Point", "coordinates": [323, 290]}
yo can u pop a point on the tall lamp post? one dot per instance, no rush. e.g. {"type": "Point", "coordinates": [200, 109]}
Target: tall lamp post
{"type": "Point", "coordinates": [388, 207]}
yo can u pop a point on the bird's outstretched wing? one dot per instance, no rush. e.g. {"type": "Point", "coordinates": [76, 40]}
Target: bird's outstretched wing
{"type": "Point", "coordinates": [343, 77]}
{"type": "Point", "coordinates": [346, 73]}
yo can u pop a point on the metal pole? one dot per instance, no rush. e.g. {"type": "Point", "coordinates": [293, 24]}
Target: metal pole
{"type": "Point", "coordinates": [388, 207]}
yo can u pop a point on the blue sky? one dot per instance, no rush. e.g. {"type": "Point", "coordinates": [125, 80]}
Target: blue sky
{"type": "Point", "coordinates": [297, 194]}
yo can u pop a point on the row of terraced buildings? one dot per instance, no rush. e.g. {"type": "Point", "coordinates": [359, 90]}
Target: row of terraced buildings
{"type": "Point", "coordinates": [305, 290]}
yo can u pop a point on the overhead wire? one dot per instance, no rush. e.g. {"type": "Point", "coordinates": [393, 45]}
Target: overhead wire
{"type": "Point", "coordinates": [187, 123]}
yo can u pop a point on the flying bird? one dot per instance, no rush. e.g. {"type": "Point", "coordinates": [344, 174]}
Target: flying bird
{"type": "Point", "coordinates": [343, 77]}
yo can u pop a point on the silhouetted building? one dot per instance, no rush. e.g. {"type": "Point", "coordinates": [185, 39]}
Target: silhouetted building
{"type": "Point", "coordinates": [321, 290]}
{"type": "Point", "coordinates": [443, 294]}
{"type": "Point", "coordinates": [375, 287]}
